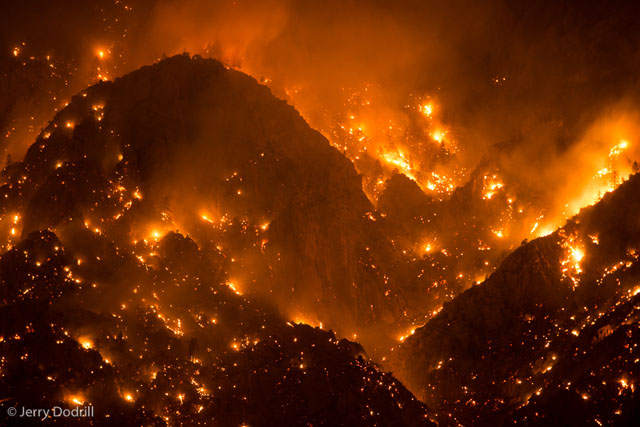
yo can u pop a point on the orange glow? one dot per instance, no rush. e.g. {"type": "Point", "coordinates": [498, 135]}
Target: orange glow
{"type": "Point", "coordinates": [76, 399]}
{"type": "Point", "coordinates": [86, 343]}
{"type": "Point", "coordinates": [604, 180]}
{"type": "Point", "coordinates": [234, 287]}
{"type": "Point", "coordinates": [397, 159]}
{"type": "Point", "coordinates": [375, 264]}
{"type": "Point", "coordinates": [491, 185]}
{"type": "Point", "coordinates": [408, 334]}
{"type": "Point", "coordinates": [301, 319]}
{"type": "Point", "coordinates": [577, 254]}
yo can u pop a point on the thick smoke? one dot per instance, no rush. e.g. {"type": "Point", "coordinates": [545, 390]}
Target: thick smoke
{"type": "Point", "coordinates": [510, 116]}
{"type": "Point", "coordinates": [519, 84]}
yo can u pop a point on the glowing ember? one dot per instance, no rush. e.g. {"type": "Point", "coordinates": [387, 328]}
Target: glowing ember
{"type": "Point", "coordinates": [233, 287]}
{"type": "Point", "coordinates": [577, 254]}
{"type": "Point", "coordinates": [403, 337]}
{"type": "Point", "coordinates": [76, 399]}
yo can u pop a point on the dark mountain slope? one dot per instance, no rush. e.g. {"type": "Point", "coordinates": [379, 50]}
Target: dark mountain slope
{"type": "Point", "coordinates": [171, 345]}
{"type": "Point", "coordinates": [187, 144]}
{"type": "Point", "coordinates": [498, 344]}
{"type": "Point", "coordinates": [104, 303]}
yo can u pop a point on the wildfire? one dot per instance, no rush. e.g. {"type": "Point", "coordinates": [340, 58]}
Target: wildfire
{"type": "Point", "coordinates": [440, 183]}
{"type": "Point", "coordinates": [570, 265]}
{"type": "Point", "coordinates": [399, 160]}
{"type": "Point", "coordinates": [491, 185]}
{"type": "Point", "coordinates": [604, 180]}
{"type": "Point", "coordinates": [426, 109]}
{"type": "Point", "coordinates": [234, 287]}
{"type": "Point", "coordinates": [577, 254]}
{"type": "Point", "coordinates": [407, 334]}
{"type": "Point", "coordinates": [438, 136]}
{"type": "Point", "coordinates": [395, 147]}
{"type": "Point", "coordinates": [617, 149]}
{"type": "Point", "coordinates": [86, 343]}
{"type": "Point", "coordinates": [302, 319]}
{"type": "Point", "coordinates": [76, 399]}
{"type": "Point", "coordinates": [543, 231]}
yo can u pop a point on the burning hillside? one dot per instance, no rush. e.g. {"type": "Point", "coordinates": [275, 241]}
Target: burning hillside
{"type": "Point", "coordinates": [154, 324]}
{"type": "Point", "coordinates": [320, 213]}
{"type": "Point", "coordinates": [550, 337]}
{"type": "Point", "coordinates": [274, 199]}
